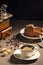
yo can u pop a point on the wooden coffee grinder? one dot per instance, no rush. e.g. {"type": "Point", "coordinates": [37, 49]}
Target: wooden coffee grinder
{"type": "Point", "coordinates": [5, 28]}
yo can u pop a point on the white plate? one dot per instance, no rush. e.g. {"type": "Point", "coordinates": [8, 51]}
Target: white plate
{"type": "Point", "coordinates": [22, 33]}
{"type": "Point", "coordinates": [17, 54]}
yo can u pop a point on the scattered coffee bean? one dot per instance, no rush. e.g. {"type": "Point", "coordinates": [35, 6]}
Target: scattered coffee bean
{"type": "Point", "coordinates": [10, 40]}
{"type": "Point", "coordinates": [7, 45]}
{"type": "Point", "coordinates": [14, 49]}
{"type": "Point", "coordinates": [11, 48]}
{"type": "Point", "coordinates": [0, 46]}
{"type": "Point", "coordinates": [2, 55]}
{"type": "Point", "coordinates": [7, 42]}
{"type": "Point", "coordinates": [14, 37]}
{"type": "Point", "coordinates": [11, 44]}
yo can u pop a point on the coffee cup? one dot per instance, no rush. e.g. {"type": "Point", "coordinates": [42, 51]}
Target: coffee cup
{"type": "Point", "coordinates": [27, 50]}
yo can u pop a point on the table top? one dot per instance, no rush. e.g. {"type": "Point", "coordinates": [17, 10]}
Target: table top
{"type": "Point", "coordinates": [9, 43]}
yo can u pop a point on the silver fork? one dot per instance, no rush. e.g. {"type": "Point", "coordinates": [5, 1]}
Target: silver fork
{"type": "Point", "coordinates": [41, 44]}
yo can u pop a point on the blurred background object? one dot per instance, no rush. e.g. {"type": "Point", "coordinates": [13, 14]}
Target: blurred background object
{"type": "Point", "coordinates": [3, 11]}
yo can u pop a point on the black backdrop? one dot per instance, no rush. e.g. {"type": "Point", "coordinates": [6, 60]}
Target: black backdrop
{"type": "Point", "coordinates": [25, 9]}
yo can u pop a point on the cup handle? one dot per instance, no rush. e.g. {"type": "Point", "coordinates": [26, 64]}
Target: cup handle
{"type": "Point", "coordinates": [35, 50]}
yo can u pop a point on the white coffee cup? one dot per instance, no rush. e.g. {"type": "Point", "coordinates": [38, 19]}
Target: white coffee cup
{"type": "Point", "coordinates": [27, 50]}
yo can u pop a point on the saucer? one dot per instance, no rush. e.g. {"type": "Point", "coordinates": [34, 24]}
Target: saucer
{"type": "Point", "coordinates": [17, 53]}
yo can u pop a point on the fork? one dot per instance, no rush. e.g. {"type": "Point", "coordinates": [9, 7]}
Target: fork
{"type": "Point", "coordinates": [41, 45]}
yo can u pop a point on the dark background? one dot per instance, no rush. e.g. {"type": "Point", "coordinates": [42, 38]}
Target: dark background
{"type": "Point", "coordinates": [25, 9]}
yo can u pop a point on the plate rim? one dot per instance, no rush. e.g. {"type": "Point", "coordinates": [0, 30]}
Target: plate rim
{"type": "Point", "coordinates": [27, 36]}
{"type": "Point", "coordinates": [38, 53]}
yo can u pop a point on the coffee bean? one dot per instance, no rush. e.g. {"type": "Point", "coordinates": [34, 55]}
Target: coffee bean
{"type": "Point", "coordinates": [0, 46]}
{"type": "Point", "coordinates": [11, 44]}
{"type": "Point", "coordinates": [2, 55]}
{"type": "Point", "coordinates": [11, 48]}
{"type": "Point", "coordinates": [7, 45]}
